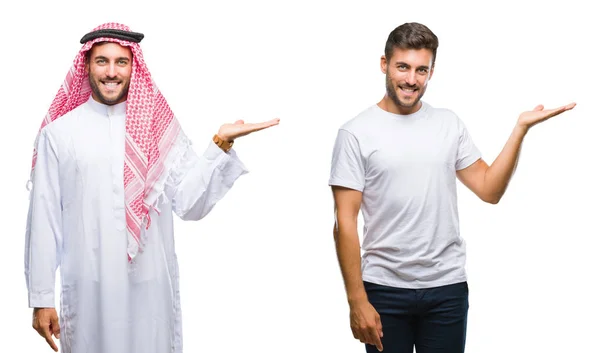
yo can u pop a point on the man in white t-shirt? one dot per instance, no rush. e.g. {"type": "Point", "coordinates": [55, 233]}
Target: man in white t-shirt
{"type": "Point", "coordinates": [398, 161]}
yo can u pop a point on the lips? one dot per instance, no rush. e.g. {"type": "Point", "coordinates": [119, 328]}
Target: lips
{"type": "Point", "coordinates": [110, 86]}
{"type": "Point", "coordinates": [408, 91]}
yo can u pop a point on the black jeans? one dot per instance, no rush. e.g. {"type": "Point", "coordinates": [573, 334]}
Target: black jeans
{"type": "Point", "coordinates": [433, 320]}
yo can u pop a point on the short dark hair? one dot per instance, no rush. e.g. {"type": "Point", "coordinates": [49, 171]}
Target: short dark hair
{"type": "Point", "coordinates": [411, 36]}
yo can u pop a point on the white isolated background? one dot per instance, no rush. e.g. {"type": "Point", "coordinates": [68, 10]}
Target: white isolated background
{"type": "Point", "coordinates": [260, 272]}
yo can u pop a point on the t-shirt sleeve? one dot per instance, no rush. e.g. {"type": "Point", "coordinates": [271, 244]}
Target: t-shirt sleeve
{"type": "Point", "coordinates": [347, 165]}
{"type": "Point", "coordinates": [467, 153]}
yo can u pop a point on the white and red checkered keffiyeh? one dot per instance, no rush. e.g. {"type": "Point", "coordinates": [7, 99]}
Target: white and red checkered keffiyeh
{"type": "Point", "coordinates": [150, 132]}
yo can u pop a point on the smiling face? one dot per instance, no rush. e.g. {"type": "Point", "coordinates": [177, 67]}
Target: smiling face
{"type": "Point", "coordinates": [407, 73]}
{"type": "Point", "coordinates": [109, 71]}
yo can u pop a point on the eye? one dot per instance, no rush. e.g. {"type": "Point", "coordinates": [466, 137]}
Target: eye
{"type": "Point", "coordinates": [123, 62]}
{"type": "Point", "coordinates": [423, 70]}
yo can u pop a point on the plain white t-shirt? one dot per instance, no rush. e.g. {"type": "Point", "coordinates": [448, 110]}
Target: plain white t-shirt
{"type": "Point", "coordinates": [405, 166]}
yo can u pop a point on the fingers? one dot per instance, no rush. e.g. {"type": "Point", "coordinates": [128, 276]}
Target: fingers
{"type": "Point", "coordinates": [555, 112]}
{"type": "Point", "coordinates": [569, 106]}
{"type": "Point", "coordinates": [366, 324]}
{"type": "Point", "coordinates": [267, 124]}
{"type": "Point", "coordinates": [379, 327]}
{"type": "Point", "coordinates": [369, 334]}
{"type": "Point", "coordinates": [48, 336]}
{"type": "Point", "coordinates": [356, 334]}
{"type": "Point", "coordinates": [55, 327]}
{"type": "Point", "coordinates": [361, 332]}
{"type": "Point", "coordinates": [239, 128]}
{"type": "Point", "coordinates": [45, 322]}
{"type": "Point", "coordinates": [261, 126]}
{"type": "Point", "coordinates": [564, 108]}
{"type": "Point", "coordinates": [363, 335]}
{"type": "Point", "coordinates": [375, 339]}
{"type": "Point", "coordinates": [542, 115]}
{"type": "Point", "coordinates": [379, 334]}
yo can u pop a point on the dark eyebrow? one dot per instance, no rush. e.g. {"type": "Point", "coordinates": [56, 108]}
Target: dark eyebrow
{"type": "Point", "coordinates": [105, 58]}
{"type": "Point", "coordinates": [398, 63]}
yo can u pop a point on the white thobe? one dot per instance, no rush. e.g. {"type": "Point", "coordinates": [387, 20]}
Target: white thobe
{"type": "Point", "coordinates": [76, 221]}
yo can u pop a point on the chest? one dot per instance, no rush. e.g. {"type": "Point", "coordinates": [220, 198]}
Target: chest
{"type": "Point", "coordinates": [412, 150]}
{"type": "Point", "coordinates": [94, 147]}
{"type": "Point", "coordinates": [92, 161]}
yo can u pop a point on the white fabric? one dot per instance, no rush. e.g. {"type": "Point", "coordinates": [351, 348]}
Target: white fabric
{"type": "Point", "coordinates": [405, 166]}
{"type": "Point", "coordinates": [77, 221]}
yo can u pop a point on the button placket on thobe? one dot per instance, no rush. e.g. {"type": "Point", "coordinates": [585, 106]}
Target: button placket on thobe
{"type": "Point", "coordinates": [116, 121]}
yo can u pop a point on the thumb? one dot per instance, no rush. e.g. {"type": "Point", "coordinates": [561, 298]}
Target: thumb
{"type": "Point", "coordinates": [538, 108]}
{"type": "Point", "coordinates": [55, 326]}
{"type": "Point", "coordinates": [239, 122]}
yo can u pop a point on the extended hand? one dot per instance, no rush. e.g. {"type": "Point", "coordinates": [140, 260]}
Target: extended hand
{"type": "Point", "coordinates": [45, 322]}
{"type": "Point", "coordinates": [366, 324]}
{"type": "Point", "coordinates": [538, 114]}
{"type": "Point", "coordinates": [230, 132]}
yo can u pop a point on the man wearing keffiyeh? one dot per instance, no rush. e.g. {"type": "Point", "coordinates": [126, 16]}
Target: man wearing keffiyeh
{"type": "Point", "coordinates": [111, 164]}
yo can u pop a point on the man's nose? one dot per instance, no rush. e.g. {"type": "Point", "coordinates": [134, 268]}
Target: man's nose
{"type": "Point", "coordinates": [411, 78]}
{"type": "Point", "coordinates": [111, 70]}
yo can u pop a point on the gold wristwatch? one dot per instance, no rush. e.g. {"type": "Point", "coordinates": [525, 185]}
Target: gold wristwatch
{"type": "Point", "coordinates": [224, 145]}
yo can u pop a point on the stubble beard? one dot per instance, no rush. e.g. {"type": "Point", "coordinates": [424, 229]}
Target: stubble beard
{"type": "Point", "coordinates": [102, 98]}
{"type": "Point", "coordinates": [391, 92]}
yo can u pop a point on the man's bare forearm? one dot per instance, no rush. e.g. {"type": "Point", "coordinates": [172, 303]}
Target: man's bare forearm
{"type": "Point", "coordinates": [348, 252]}
{"type": "Point", "coordinates": [500, 172]}
{"type": "Point", "coordinates": [498, 175]}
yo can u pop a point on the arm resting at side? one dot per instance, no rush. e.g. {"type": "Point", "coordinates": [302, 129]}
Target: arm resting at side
{"type": "Point", "coordinates": [347, 206]}
{"type": "Point", "coordinates": [43, 236]}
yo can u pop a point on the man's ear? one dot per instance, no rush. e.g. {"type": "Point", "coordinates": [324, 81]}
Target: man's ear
{"type": "Point", "coordinates": [383, 64]}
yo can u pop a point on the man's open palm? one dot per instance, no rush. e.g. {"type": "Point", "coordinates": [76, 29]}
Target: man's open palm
{"type": "Point", "coordinates": [538, 114]}
{"type": "Point", "coordinates": [230, 132]}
